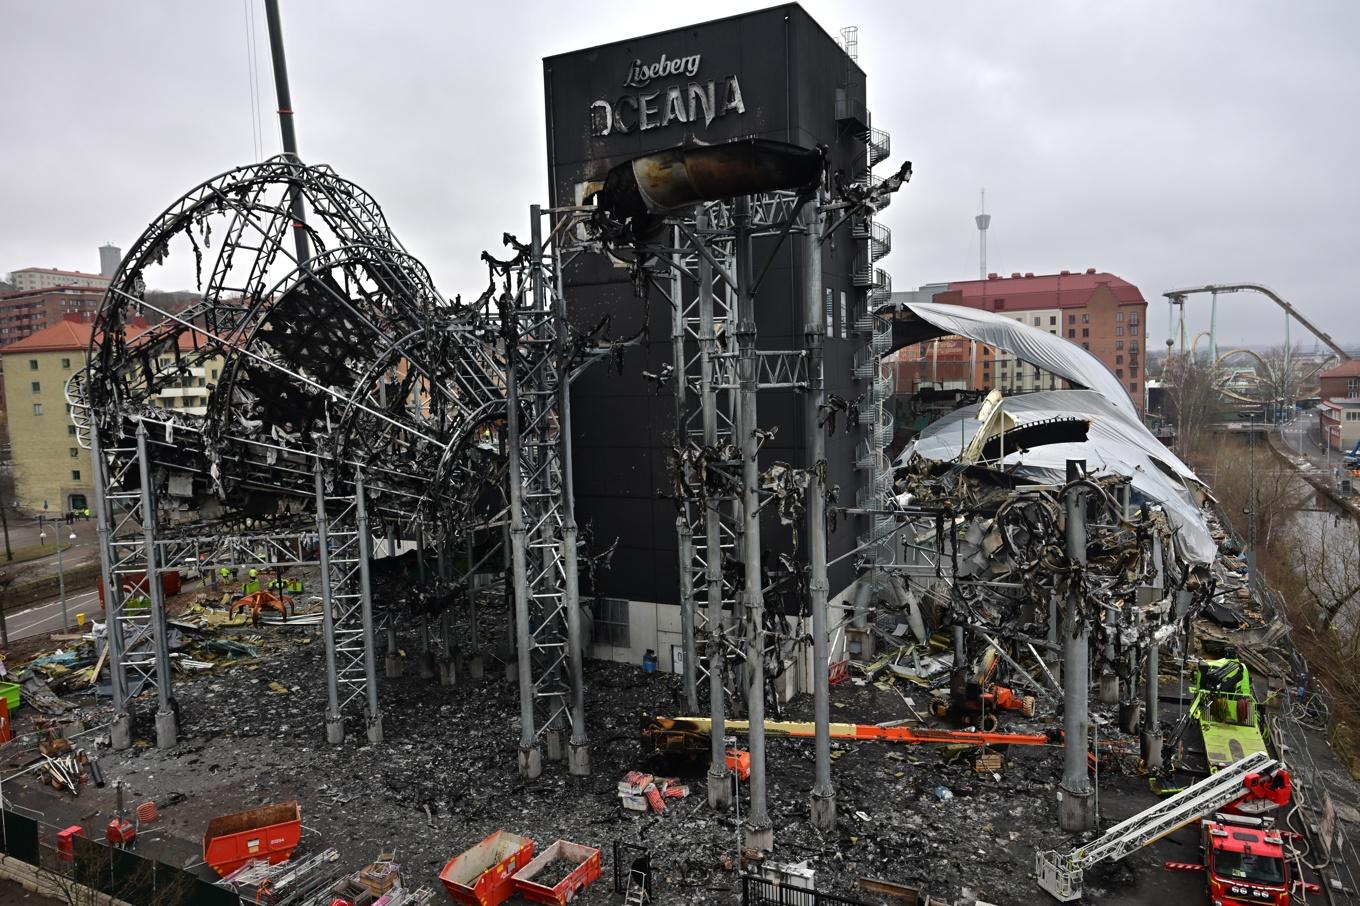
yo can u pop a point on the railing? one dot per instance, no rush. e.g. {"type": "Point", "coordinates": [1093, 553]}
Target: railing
{"type": "Point", "coordinates": [756, 891]}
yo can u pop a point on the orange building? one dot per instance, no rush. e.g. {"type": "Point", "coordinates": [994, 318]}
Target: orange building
{"type": "Point", "coordinates": [1102, 313]}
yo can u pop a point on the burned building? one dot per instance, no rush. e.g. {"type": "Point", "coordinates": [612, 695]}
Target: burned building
{"type": "Point", "coordinates": [776, 75]}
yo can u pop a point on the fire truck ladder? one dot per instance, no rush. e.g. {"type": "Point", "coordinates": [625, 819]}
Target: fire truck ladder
{"type": "Point", "coordinates": [1061, 874]}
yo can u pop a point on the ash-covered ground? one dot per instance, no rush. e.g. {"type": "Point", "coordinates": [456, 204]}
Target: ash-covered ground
{"type": "Point", "coordinates": [446, 776]}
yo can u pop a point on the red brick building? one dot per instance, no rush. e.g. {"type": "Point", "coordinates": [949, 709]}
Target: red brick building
{"type": "Point", "coordinates": [1339, 412]}
{"type": "Point", "coordinates": [1101, 312]}
{"type": "Point", "coordinates": [25, 312]}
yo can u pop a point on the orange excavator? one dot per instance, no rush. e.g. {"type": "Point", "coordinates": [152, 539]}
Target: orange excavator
{"type": "Point", "coordinates": [260, 601]}
{"type": "Point", "coordinates": [690, 735]}
{"type": "Point", "coordinates": [973, 700]}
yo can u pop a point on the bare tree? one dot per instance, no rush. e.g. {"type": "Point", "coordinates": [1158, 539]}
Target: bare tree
{"type": "Point", "coordinates": [1193, 397]}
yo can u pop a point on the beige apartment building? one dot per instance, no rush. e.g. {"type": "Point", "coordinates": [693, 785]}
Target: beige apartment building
{"type": "Point", "coordinates": [50, 467]}
{"type": "Point", "coordinates": [51, 470]}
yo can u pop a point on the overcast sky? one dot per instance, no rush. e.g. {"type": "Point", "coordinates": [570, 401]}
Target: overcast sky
{"type": "Point", "coordinates": [1171, 143]}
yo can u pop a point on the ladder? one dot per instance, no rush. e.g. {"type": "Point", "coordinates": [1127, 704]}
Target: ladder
{"type": "Point", "coordinates": [637, 888]}
{"type": "Point", "coordinates": [1061, 874]}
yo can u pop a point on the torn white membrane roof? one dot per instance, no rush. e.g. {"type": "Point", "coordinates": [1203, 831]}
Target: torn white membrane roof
{"type": "Point", "coordinates": [1037, 347]}
{"type": "Point", "coordinates": [1116, 442]}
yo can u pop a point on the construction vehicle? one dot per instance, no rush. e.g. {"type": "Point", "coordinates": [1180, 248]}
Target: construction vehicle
{"type": "Point", "coordinates": [1256, 776]}
{"type": "Point", "coordinates": [1244, 862]}
{"type": "Point", "coordinates": [974, 699]}
{"type": "Point", "coordinates": [690, 735]}
{"type": "Point", "coordinates": [260, 601]}
{"type": "Point", "coordinates": [1352, 459]}
{"type": "Point", "coordinates": [1226, 710]}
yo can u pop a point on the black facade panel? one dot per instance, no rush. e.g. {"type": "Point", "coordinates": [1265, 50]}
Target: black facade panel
{"type": "Point", "coordinates": [790, 75]}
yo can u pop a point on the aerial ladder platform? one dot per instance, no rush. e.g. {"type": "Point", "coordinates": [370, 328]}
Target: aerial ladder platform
{"type": "Point", "coordinates": [1254, 777]}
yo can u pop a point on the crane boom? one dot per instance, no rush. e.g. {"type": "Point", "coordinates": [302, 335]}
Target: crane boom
{"type": "Point", "coordinates": [1256, 776]}
{"type": "Point", "coordinates": [667, 733]}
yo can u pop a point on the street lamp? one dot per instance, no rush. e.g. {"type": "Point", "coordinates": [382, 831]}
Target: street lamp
{"type": "Point", "coordinates": [61, 575]}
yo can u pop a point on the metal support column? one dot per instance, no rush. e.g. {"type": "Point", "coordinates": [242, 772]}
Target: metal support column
{"type": "Point", "coordinates": [719, 786]}
{"type": "Point", "coordinates": [1152, 730]}
{"type": "Point", "coordinates": [578, 745]}
{"type": "Point", "coordinates": [335, 724]}
{"type": "Point", "coordinates": [814, 332]}
{"type": "Point", "coordinates": [530, 753]}
{"type": "Point", "coordinates": [687, 607]}
{"type": "Point", "coordinates": [167, 731]}
{"type": "Point", "coordinates": [120, 726]}
{"type": "Point", "coordinates": [373, 714]}
{"type": "Point", "coordinates": [759, 831]}
{"type": "Point", "coordinates": [1076, 807]}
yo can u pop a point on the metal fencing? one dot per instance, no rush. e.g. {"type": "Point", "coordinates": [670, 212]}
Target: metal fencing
{"type": "Point", "coordinates": [92, 864]}
{"type": "Point", "coordinates": [758, 891]}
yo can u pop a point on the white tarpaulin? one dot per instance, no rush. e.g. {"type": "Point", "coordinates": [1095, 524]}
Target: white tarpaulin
{"type": "Point", "coordinates": [1117, 442]}
{"type": "Point", "coordinates": [1038, 347]}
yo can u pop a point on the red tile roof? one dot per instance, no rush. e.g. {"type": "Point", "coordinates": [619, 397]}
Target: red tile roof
{"type": "Point", "coordinates": [1064, 290]}
{"type": "Point", "coordinates": [72, 333]}
{"type": "Point", "coordinates": [1345, 369]}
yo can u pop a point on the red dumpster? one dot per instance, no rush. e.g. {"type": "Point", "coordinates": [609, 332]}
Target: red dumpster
{"type": "Point", "coordinates": [268, 832]}
{"type": "Point", "coordinates": [135, 584]}
{"type": "Point", "coordinates": [559, 874]}
{"type": "Point", "coordinates": [481, 875]}
{"type": "Point", "coordinates": [65, 848]}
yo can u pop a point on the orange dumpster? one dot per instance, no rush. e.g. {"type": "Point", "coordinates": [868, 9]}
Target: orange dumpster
{"type": "Point", "coordinates": [268, 832]}
{"type": "Point", "coordinates": [481, 876]}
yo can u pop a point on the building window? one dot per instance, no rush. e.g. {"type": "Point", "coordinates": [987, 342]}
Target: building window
{"type": "Point", "coordinates": [1133, 388]}
{"type": "Point", "coordinates": [1085, 332]}
{"type": "Point", "coordinates": [610, 626]}
{"type": "Point", "coordinates": [71, 430]}
{"type": "Point", "coordinates": [1119, 331]}
{"type": "Point", "coordinates": [1119, 372]}
{"type": "Point", "coordinates": [1133, 369]}
{"type": "Point", "coordinates": [75, 475]}
{"type": "Point", "coordinates": [1353, 387]}
{"type": "Point", "coordinates": [1085, 318]}
{"type": "Point", "coordinates": [1071, 319]}
{"type": "Point", "coordinates": [73, 452]}
{"type": "Point", "coordinates": [214, 374]}
{"type": "Point", "coordinates": [1071, 332]}
{"type": "Point", "coordinates": [37, 408]}
{"type": "Point", "coordinates": [66, 364]}
{"type": "Point", "coordinates": [1119, 316]}
{"type": "Point", "coordinates": [1119, 360]}
{"type": "Point", "coordinates": [1133, 346]}
{"type": "Point", "coordinates": [1052, 319]}
{"type": "Point", "coordinates": [1118, 344]}
{"type": "Point", "coordinates": [36, 387]}
{"type": "Point", "coordinates": [1086, 346]}
{"type": "Point", "coordinates": [1133, 318]}
{"type": "Point", "coordinates": [32, 364]}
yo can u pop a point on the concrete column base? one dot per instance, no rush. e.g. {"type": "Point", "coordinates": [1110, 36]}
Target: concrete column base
{"type": "Point", "coordinates": [167, 729]}
{"type": "Point", "coordinates": [475, 667]}
{"type": "Point", "coordinates": [1076, 810]}
{"type": "Point", "coordinates": [824, 811]}
{"type": "Point", "coordinates": [530, 762]}
{"type": "Point", "coordinates": [578, 759]}
{"type": "Point", "coordinates": [759, 837]}
{"type": "Point", "coordinates": [375, 729]}
{"type": "Point", "coordinates": [1152, 751]}
{"type": "Point", "coordinates": [393, 666]}
{"type": "Point", "coordinates": [335, 729]}
{"type": "Point", "coordinates": [719, 790]}
{"type": "Point", "coordinates": [425, 666]}
{"type": "Point", "coordinates": [448, 672]}
{"type": "Point", "coordinates": [552, 745]}
{"type": "Point", "coordinates": [120, 730]}
{"type": "Point", "coordinates": [1109, 688]}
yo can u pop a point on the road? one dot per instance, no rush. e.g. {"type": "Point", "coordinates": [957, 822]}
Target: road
{"type": "Point", "coordinates": [1303, 436]}
{"type": "Point", "coordinates": [44, 618]}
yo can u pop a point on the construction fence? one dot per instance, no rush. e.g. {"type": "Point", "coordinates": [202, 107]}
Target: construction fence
{"type": "Point", "coordinates": [69, 874]}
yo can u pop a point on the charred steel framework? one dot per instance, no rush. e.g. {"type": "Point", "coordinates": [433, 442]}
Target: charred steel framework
{"type": "Point", "coordinates": [347, 392]}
